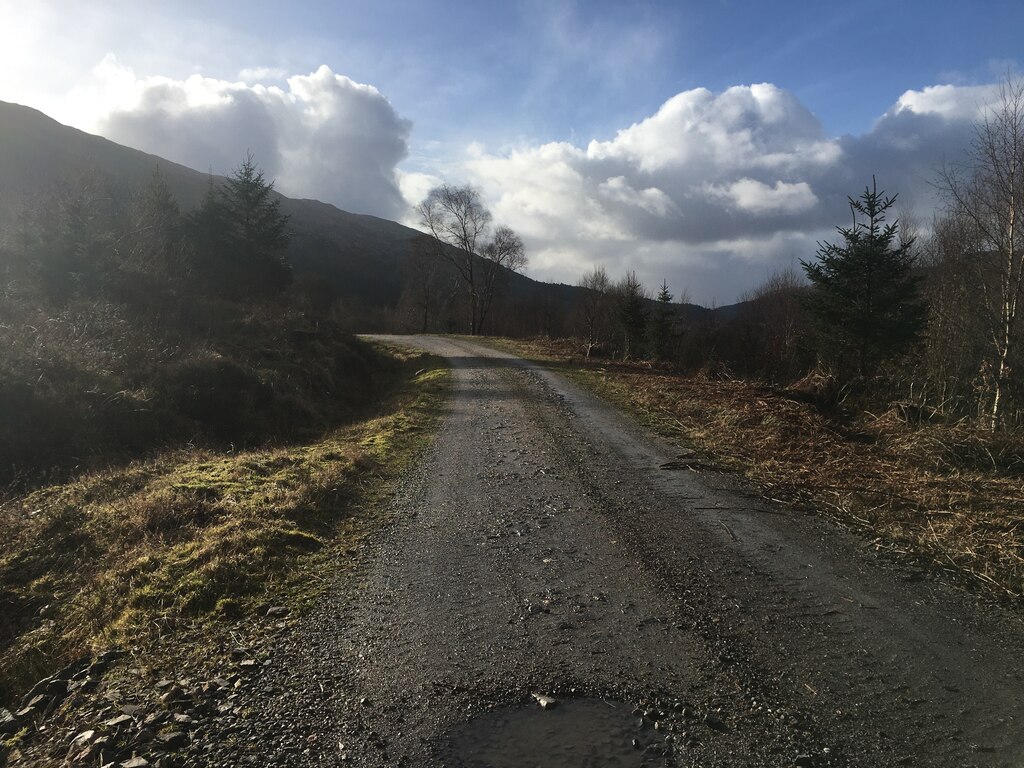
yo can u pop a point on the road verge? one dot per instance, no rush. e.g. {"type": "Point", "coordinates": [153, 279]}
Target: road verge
{"type": "Point", "coordinates": [172, 555]}
{"type": "Point", "coordinates": [945, 495]}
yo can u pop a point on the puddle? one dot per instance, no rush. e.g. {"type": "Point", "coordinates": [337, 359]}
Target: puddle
{"type": "Point", "coordinates": [577, 733]}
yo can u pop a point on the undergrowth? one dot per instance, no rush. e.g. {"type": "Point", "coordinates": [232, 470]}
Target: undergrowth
{"type": "Point", "coordinates": [94, 383]}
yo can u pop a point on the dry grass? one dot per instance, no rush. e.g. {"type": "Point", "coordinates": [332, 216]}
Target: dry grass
{"type": "Point", "coordinates": [951, 495]}
{"type": "Point", "coordinates": [93, 383]}
{"type": "Point", "coordinates": [192, 535]}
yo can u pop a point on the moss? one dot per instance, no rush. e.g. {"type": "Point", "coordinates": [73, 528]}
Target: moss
{"type": "Point", "coordinates": [15, 739]}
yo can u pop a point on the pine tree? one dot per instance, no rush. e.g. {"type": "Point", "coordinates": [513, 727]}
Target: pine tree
{"type": "Point", "coordinates": [208, 238]}
{"type": "Point", "coordinates": [155, 241]}
{"type": "Point", "coordinates": [240, 234]}
{"type": "Point", "coordinates": [865, 302]}
{"type": "Point", "coordinates": [258, 229]}
{"type": "Point", "coordinates": [661, 325]}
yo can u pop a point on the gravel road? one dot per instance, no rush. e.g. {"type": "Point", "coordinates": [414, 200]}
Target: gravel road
{"type": "Point", "coordinates": [549, 593]}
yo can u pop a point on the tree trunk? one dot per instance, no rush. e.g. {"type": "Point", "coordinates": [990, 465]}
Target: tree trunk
{"type": "Point", "coordinates": [997, 395]}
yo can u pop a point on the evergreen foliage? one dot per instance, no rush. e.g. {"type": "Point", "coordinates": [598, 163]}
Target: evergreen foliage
{"type": "Point", "coordinates": [242, 234]}
{"type": "Point", "coordinates": [865, 304]}
{"type": "Point", "coordinates": [661, 325]}
{"type": "Point", "coordinates": [156, 241]}
{"type": "Point", "coordinates": [126, 328]}
{"type": "Point", "coordinates": [66, 237]}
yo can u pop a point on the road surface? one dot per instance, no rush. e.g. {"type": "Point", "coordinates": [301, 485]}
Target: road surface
{"type": "Point", "coordinates": [541, 554]}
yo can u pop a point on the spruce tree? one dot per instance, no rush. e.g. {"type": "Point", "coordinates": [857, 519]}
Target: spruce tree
{"type": "Point", "coordinates": [661, 325]}
{"type": "Point", "coordinates": [257, 227]}
{"type": "Point", "coordinates": [865, 301]}
{"type": "Point", "coordinates": [240, 235]}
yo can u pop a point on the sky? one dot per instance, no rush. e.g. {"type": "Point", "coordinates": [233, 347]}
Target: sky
{"type": "Point", "coordinates": [705, 144]}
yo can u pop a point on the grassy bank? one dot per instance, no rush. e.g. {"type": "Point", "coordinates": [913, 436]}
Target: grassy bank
{"type": "Point", "coordinates": [948, 494]}
{"type": "Point", "coordinates": [196, 536]}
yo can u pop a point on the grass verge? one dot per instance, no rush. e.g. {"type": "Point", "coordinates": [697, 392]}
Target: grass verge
{"type": "Point", "coordinates": [946, 494]}
{"type": "Point", "coordinates": [196, 537]}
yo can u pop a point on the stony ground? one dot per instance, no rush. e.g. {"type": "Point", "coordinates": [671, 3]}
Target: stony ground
{"type": "Point", "coordinates": [556, 587]}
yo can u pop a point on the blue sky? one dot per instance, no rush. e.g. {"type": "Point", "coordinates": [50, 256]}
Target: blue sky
{"type": "Point", "coordinates": [604, 131]}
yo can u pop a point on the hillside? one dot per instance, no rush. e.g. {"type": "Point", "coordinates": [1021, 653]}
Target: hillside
{"type": "Point", "coordinates": [359, 253]}
{"type": "Point", "coordinates": [362, 257]}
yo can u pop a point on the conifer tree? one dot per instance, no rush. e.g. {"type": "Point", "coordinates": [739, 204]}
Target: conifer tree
{"type": "Point", "coordinates": [258, 229]}
{"type": "Point", "coordinates": [155, 241]}
{"type": "Point", "coordinates": [865, 304]}
{"type": "Point", "coordinates": [661, 325]}
{"type": "Point", "coordinates": [240, 234]}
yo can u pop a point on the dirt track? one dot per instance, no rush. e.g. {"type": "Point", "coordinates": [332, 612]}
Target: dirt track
{"type": "Point", "coordinates": [541, 548]}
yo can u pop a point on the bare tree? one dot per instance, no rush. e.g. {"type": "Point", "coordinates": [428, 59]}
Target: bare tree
{"type": "Point", "coordinates": [595, 307]}
{"type": "Point", "coordinates": [987, 195]}
{"type": "Point", "coordinates": [420, 282]}
{"type": "Point", "coordinates": [456, 217]}
{"type": "Point", "coordinates": [631, 302]}
{"type": "Point", "coordinates": [503, 254]}
{"type": "Point", "coordinates": [771, 325]}
{"type": "Point", "coordinates": [956, 341]}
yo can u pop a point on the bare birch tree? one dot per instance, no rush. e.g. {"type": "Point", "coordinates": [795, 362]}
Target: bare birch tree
{"type": "Point", "coordinates": [503, 254]}
{"type": "Point", "coordinates": [456, 217]}
{"type": "Point", "coordinates": [595, 307]}
{"type": "Point", "coordinates": [987, 195]}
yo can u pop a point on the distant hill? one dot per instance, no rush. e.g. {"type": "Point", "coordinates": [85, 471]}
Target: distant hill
{"type": "Point", "coordinates": [361, 256]}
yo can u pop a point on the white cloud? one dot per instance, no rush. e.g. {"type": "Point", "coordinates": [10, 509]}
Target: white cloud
{"type": "Point", "coordinates": [952, 102]}
{"type": "Point", "coordinates": [714, 191]}
{"type": "Point", "coordinates": [652, 199]}
{"type": "Point", "coordinates": [759, 125]}
{"type": "Point", "coordinates": [703, 168]}
{"type": "Point", "coordinates": [319, 135]}
{"type": "Point", "coordinates": [415, 187]}
{"type": "Point", "coordinates": [758, 198]}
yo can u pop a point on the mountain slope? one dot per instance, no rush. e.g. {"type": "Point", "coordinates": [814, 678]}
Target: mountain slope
{"type": "Point", "coordinates": [361, 256]}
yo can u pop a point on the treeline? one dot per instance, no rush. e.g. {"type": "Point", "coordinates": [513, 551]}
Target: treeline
{"type": "Point", "coordinates": [882, 317]}
{"type": "Point", "coordinates": [929, 323]}
{"type": "Point", "coordinates": [127, 325]}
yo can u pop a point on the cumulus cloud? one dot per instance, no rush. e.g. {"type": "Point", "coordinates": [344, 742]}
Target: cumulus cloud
{"type": "Point", "coordinates": [319, 135]}
{"type": "Point", "coordinates": [953, 102]}
{"type": "Point", "coordinates": [701, 169]}
{"type": "Point", "coordinates": [712, 191]}
{"type": "Point", "coordinates": [758, 125]}
{"type": "Point", "coordinates": [758, 198]}
{"type": "Point", "coordinates": [665, 193]}
{"type": "Point", "coordinates": [715, 191]}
